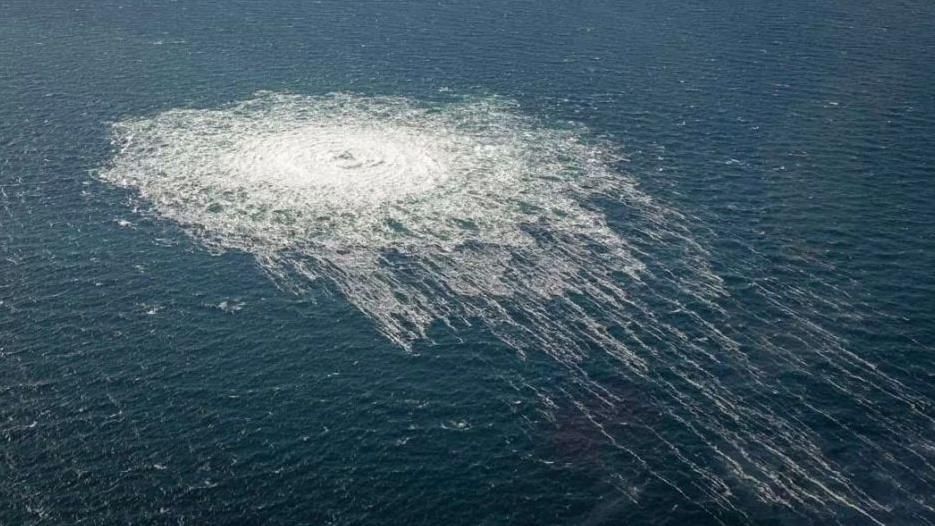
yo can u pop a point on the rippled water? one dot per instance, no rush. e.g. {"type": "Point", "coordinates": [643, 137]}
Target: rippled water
{"type": "Point", "coordinates": [528, 263]}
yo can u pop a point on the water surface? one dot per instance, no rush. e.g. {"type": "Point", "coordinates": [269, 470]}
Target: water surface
{"type": "Point", "coordinates": [616, 262]}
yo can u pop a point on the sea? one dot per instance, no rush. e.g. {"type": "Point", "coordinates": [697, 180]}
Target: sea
{"type": "Point", "coordinates": [597, 262]}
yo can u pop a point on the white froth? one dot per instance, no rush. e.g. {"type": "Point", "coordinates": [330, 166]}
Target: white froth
{"type": "Point", "coordinates": [355, 166]}
{"type": "Point", "coordinates": [286, 171]}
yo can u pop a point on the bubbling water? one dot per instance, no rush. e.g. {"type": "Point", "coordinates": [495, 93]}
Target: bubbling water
{"type": "Point", "coordinates": [358, 167]}
{"type": "Point", "coordinates": [469, 213]}
{"type": "Point", "coordinates": [343, 181]}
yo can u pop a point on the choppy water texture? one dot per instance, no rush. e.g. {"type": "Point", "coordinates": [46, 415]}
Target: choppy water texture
{"type": "Point", "coordinates": [405, 298]}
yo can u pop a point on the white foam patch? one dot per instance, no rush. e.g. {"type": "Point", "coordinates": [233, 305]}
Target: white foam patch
{"type": "Point", "coordinates": [332, 185]}
{"type": "Point", "coordinates": [469, 213]}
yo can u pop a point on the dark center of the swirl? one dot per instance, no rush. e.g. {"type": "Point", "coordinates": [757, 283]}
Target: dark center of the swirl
{"type": "Point", "coordinates": [346, 155]}
{"type": "Point", "coordinates": [347, 160]}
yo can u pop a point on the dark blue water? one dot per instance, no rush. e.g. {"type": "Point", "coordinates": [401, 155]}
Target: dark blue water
{"type": "Point", "coordinates": [147, 379]}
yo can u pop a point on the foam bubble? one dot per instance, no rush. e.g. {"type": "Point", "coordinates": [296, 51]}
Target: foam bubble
{"type": "Point", "coordinates": [344, 181]}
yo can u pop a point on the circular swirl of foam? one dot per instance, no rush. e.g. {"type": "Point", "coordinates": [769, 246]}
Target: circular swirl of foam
{"type": "Point", "coordinates": [286, 171]}
{"type": "Point", "coordinates": [356, 166]}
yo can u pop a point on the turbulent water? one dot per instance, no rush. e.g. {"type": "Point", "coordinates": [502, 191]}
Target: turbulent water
{"type": "Point", "coordinates": [467, 212]}
{"type": "Point", "coordinates": [418, 214]}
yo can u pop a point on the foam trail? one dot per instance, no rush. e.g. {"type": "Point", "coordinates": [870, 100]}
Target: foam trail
{"type": "Point", "coordinates": [468, 212]}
